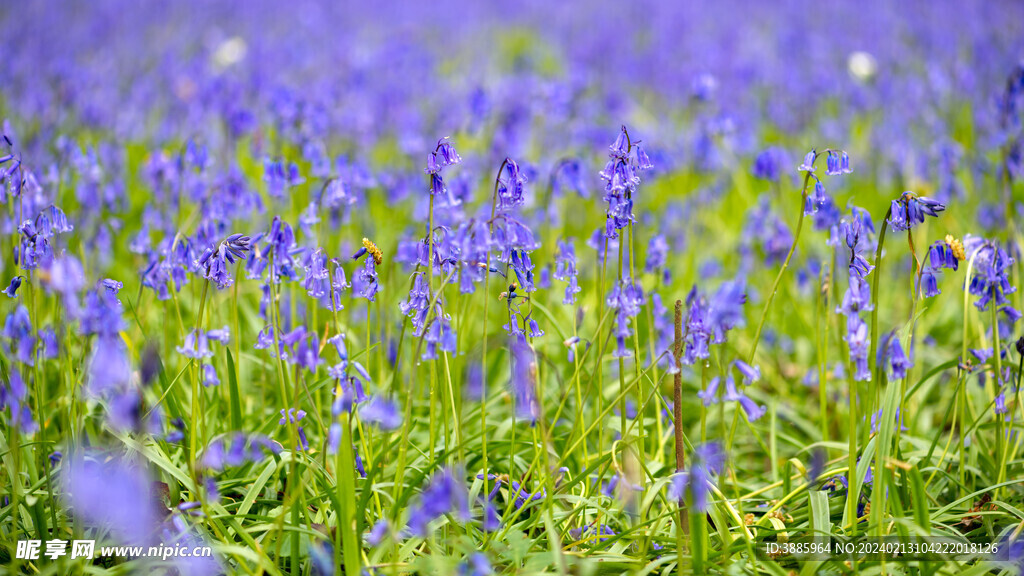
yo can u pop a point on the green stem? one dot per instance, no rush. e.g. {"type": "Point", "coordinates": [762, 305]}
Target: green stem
{"type": "Point", "coordinates": [785, 264]}
{"type": "Point", "coordinates": [196, 375]}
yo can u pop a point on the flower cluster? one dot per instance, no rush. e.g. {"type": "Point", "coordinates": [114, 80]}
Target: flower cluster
{"type": "Point", "coordinates": [621, 175]}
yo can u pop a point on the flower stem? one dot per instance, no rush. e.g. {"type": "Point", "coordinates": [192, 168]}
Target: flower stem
{"type": "Point", "coordinates": [677, 420]}
{"type": "Point", "coordinates": [785, 264]}
{"type": "Point", "coordinates": [196, 375]}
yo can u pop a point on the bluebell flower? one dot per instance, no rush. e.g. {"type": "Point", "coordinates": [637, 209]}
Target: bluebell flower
{"type": "Point", "coordinates": [364, 283]}
{"type": "Point", "coordinates": [523, 382]}
{"type": "Point", "coordinates": [696, 482]}
{"type": "Point", "coordinates": [657, 253]}
{"type": "Point", "coordinates": [20, 338]}
{"type": "Point", "coordinates": [417, 303]}
{"type": "Point", "coordinates": [14, 398]}
{"type": "Point", "coordinates": [476, 564]}
{"type": "Point", "coordinates": [210, 377]}
{"type": "Point", "coordinates": [440, 335]}
{"type": "Point", "coordinates": [1000, 403]}
{"type": "Point", "coordinates": [876, 418]}
{"type": "Point", "coordinates": [626, 299]}
{"type": "Point", "coordinates": [855, 231]}
{"type": "Point", "coordinates": [520, 495]}
{"type": "Point", "coordinates": [709, 395]}
{"type": "Point", "coordinates": [48, 348]}
{"type": "Point", "coordinates": [377, 534]}
{"type": "Point", "coordinates": [12, 290]}
{"type": "Point", "coordinates": [621, 180]}
{"type": "Point", "coordinates": [808, 163]}
{"type": "Point", "coordinates": [891, 351]}
{"type": "Point", "coordinates": [307, 353]}
{"type": "Point", "coordinates": [523, 268]}
{"type": "Point", "coordinates": [838, 163]}
{"type": "Point", "coordinates": [751, 374]}
{"type": "Point", "coordinates": [280, 176]}
{"type": "Point", "coordinates": [909, 210]}
{"type": "Point", "coordinates": [768, 165]}
{"type": "Point", "coordinates": [858, 340]}
{"type": "Point", "coordinates": [444, 494]}
{"type": "Point", "coordinates": [114, 495]}
{"type": "Point", "coordinates": [511, 191]}
{"type": "Point", "coordinates": [817, 198]}
{"type": "Point", "coordinates": [196, 346]}
{"type": "Point", "coordinates": [753, 411]}
{"type": "Point", "coordinates": [990, 279]}
{"type": "Point", "coordinates": [857, 298]}
{"type": "Point", "coordinates": [598, 534]}
{"type": "Point", "coordinates": [565, 270]}
{"type": "Point", "coordinates": [382, 412]}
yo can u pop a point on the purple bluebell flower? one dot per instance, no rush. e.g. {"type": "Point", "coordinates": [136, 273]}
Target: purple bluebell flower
{"type": "Point", "coordinates": [112, 494]}
{"type": "Point", "coordinates": [696, 482]}
{"type": "Point", "coordinates": [857, 297]}
{"type": "Point", "coordinates": [909, 210]}
{"type": "Point", "coordinates": [476, 564]}
{"type": "Point", "coordinates": [751, 374]}
{"type": "Point", "coordinates": [417, 303]}
{"type": "Point", "coordinates": [657, 253]}
{"type": "Point", "coordinates": [838, 163]}
{"type": "Point", "coordinates": [14, 398]}
{"type": "Point", "coordinates": [817, 199]}
{"type": "Point", "coordinates": [307, 353]}
{"type": "Point", "coordinates": [523, 383]}
{"type": "Point", "coordinates": [377, 534]}
{"type": "Point", "coordinates": [990, 279]}
{"type": "Point", "coordinates": [280, 176]}
{"type": "Point", "coordinates": [210, 377]}
{"type": "Point", "coordinates": [382, 412]}
{"type": "Point", "coordinates": [511, 180]}
{"type": "Point", "coordinates": [768, 165]}
{"type": "Point", "coordinates": [876, 421]}
{"type": "Point", "coordinates": [891, 352]}
{"type": "Point", "coordinates": [20, 339]}
{"type": "Point", "coordinates": [808, 163]}
{"type": "Point", "coordinates": [196, 346]}
{"type": "Point", "coordinates": [858, 340]}
{"type": "Point", "coordinates": [364, 282]}
{"type": "Point", "coordinates": [626, 299]}
{"type": "Point", "coordinates": [565, 270]}
{"type": "Point", "coordinates": [216, 262]}
{"type": "Point", "coordinates": [48, 348]}
{"type": "Point", "coordinates": [753, 411]}
{"type": "Point", "coordinates": [440, 335]}
{"type": "Point", "coordinates": [12, 290]}
{"type": "Point", "coordinates": [443, 495]}
{"type": "Point", "coordinates": [523, 268]}
{"type": "Point", "coordinates": [621, 181]}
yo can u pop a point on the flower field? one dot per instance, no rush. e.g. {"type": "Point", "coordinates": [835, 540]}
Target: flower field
{"type": "Point", "coordinates": [547, 288]}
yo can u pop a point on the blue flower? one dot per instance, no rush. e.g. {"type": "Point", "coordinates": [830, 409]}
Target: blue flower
{"type": "Point", "coordinates": [837, 163]}
{"type": "Point", "coordinates": [476, 564]}
{"type": "Point", "coordinates": [511, 182]}
{"type": "Point", "coordinates": [894, 356]}
{"type": "Point", "coordinates": [12, 290]}
{"type": "Point", "coordinates": [990, 279]}
{"type": "Point", "coordinates": [565, 270]}
{"type": "Point", "coordinates": [382, 412]}
{"type": "Point", "coordinates": [909, 210]}
{"type": "Point", "coordinates": [769, 164]}
{"type": "Point", "coordinates": [808, 164]}
{"type": "Point", "coordinates": [696, 482]}
{"type": "Point", "coordinates": [444, 494]}
{"type": "Point", "coordinates": [523, 382]}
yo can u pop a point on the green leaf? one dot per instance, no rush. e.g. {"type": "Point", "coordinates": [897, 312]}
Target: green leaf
{"type": "Point", "coordinates": [233, 397]}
